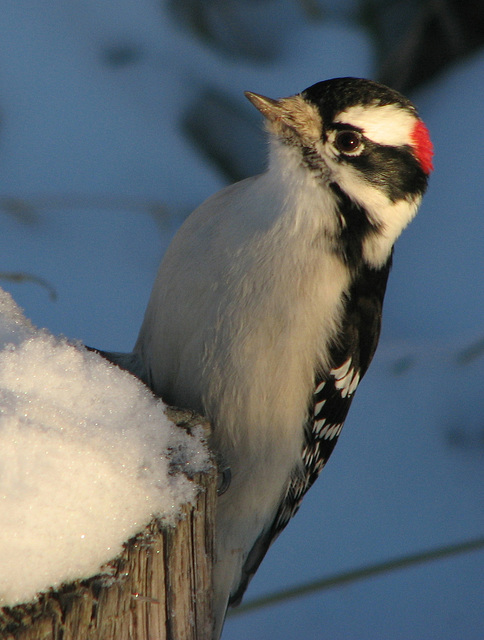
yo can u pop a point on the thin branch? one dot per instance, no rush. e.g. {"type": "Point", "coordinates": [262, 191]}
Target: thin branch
{"type": "Point", "coordinates": [470, 353]}
{"type": "Point", "coordinates": [360, 574]}
{"type": "Point", "coordinates": [21, 276]}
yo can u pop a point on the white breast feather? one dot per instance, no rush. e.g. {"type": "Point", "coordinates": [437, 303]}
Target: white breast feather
{"type": "Point", "coordinates": [281, 303]}
{"type": "Point", "coordinates": [244, 303]}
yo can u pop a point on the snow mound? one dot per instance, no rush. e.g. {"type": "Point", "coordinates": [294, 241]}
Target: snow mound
{"type": "Point", "coordinates": [84, 459]}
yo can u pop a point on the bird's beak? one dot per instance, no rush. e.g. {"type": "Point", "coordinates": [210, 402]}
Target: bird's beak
{"type": "Point", "coordinates": [289, 116]}
{"type": "Point", "coordinates": [269, 108]}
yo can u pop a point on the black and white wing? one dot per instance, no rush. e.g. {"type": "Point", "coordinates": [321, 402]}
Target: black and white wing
{"type": "Point", "coordinates": [331, 400]}
{"type": "Point", "coordinates": [334, 392]}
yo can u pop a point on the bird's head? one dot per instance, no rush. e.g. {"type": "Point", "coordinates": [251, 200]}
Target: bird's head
{"type": "Point", "coordinates": [363, 141]}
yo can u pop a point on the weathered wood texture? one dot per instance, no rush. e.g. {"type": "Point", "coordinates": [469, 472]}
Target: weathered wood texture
{"type": "Point", "coordinates": [158, 589]}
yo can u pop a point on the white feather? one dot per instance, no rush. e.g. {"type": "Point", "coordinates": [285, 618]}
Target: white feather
{"type": "Point", "coordinates": [384, 124]}
{"type": "Point", "coordinates": [341, 371]}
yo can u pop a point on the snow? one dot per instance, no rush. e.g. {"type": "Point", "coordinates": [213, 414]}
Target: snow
{"type": "Point", "coordinates": [85, 459]}
{"type": "Point", "coordinates": [95, 176]}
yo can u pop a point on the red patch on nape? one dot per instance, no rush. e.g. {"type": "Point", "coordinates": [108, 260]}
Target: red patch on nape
{"type": "Point", "coordinates": [423, 147]}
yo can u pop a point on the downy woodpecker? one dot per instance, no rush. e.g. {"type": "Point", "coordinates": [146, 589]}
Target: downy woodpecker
{"type": "Point", "coordinates": [266, 309]}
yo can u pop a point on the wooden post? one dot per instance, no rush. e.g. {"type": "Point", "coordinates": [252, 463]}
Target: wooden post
{"type": "Point", "coordinates": [160, 587]}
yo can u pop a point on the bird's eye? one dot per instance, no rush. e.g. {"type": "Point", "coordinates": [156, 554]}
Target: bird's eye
{"type": "Point", "coordinates": [348, 141]}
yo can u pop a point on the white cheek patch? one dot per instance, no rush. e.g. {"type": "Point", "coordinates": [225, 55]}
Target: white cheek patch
{"type": "Point", "coordinates": [388, 124]}
{"type": "Point", "coordinates": [390, 217]}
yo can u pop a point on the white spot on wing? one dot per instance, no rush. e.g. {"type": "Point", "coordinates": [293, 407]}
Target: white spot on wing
{"type": "Point", "coordinates": [318, 406]}
{"type": "Point", "coordinates": [318, 425]}
{"type": "Point", "coordinates": [331, 431]}
{"type": "Point", "coordinates": [340, 372]}
{"type": "Point", "coordinates": [324, 432]}
{"type": "Point", "coordinates": [320, 387]}
{"type": "Point", "coordinates": [334, 431]}
{"type": "Point", "coordinates": [346, 379]}
{"type": "Point", "coordinates": [354, 383]}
